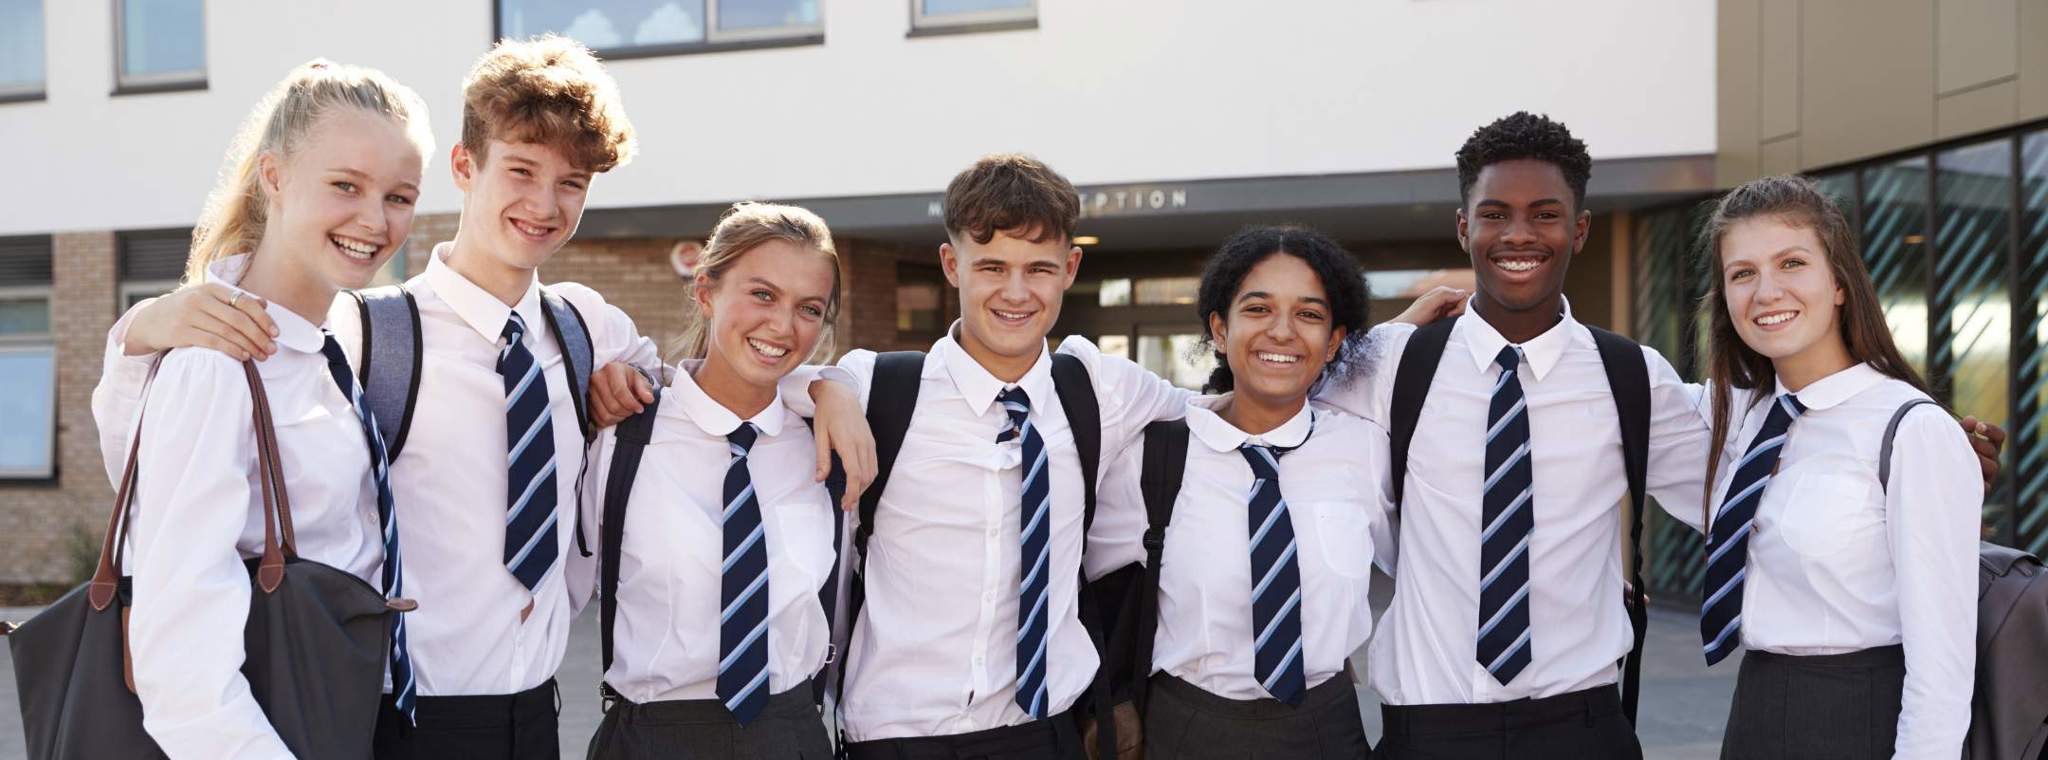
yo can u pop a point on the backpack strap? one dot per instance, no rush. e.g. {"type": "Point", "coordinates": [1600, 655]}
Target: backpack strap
{"type": "Point", "coordinates": [1628, 380]}
{"type": "Point", "coordinates": [1891, 431]}
{"type": "Point", "coordinates": [390, 360]}
{"type": "Point", "coordinates": [892, 397]}
{"type": "Point", "coordinates": [1412, 378]}
{"type": "Point", "coordinates": [1159, 479]}
{"type": "Point", "coordinates": [632, 437]}
{"type": "Point", "coordinates": [1070, 381]}
{"type": "Point", "coordinates": [828, 595]}
{"type": "Point", "coordinates": [573, 335]}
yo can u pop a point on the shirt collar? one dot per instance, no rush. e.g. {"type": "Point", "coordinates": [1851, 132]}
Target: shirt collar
{"type": "Point", "coordinates": [1210, 428]}
{"type": "Point", "coordinates": [1838, 387]}
{"type": "Point", "coordinates": [978, 387]}
{"type": "Point", "coordinates": [293, 331]}
{"type": "Point", "coordinates": [479, 309]}
{"type": "Point", "coordinates": [709, 415]}
{"type": "Point", "coordinates": [1541, 352]}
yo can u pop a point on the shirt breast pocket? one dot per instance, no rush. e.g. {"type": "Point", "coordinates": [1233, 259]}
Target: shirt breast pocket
{"type": "Point", "coordinates": [1343, 536]}
{"type": "Point", "coordinates": [805, 542]}
{"type": "Point", "coordinates": [1827, 510]}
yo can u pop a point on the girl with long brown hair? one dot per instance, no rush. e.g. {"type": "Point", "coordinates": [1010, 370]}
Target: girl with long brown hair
{"type": "Point", "coordinates": [1849, 578]}
{"type": "Point", "coordinates": [720, 536]}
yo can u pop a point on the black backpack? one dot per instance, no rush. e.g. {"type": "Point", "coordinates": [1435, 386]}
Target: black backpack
{"type": "Point", "coordinates": [1122, 607]}
{"type": "Point", "coordinates": [633, 434]}
{"type": "Point", "coordinates": [1628, 378]}
{"type": "Point", "coordinates": [892, 399]}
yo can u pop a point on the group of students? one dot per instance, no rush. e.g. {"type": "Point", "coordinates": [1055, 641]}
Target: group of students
{"type": "Point", "coordinates": [537, 453]}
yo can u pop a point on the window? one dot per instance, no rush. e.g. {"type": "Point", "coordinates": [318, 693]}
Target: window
{"type": "Point", "coordinates": [632, 28]}
{"type": "Point", "coordinates": [149, 263]}
{"type": "Point", "coordinates": [942, 16]}
{"type": "Point", "coordinates": [922, 311]}
{"type": "Point", "coordinates": [159, 45]}
{"type": "Point", "coordinates": [28, 361]}
{"type": "Point", "coordinates": [21, 49]}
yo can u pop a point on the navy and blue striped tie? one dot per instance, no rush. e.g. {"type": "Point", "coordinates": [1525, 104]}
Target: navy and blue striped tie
{"type": "Point", "coordinates": [1510, 516]}
{"type": "Point", "coordinates": [1036, 535]}
{"type": "Point", "coordinates": [530, 548]}
{"type": "Point", "coordinates": [402, 687]}
{"type": "Point", "coordinates": [1276, 586]}
{"type": "Point", "coordinates": [743, 588]}
{"type": "Point", "coordinates": [1728, 537]}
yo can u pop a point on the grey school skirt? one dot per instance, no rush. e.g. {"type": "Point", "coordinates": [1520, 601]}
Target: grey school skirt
{"type": "Point", "coordinates": [1817, 707]}
{"type": "Point", "coordinates": [788, 728]}
{"type": "Point", "coordinates": [1185, 722]}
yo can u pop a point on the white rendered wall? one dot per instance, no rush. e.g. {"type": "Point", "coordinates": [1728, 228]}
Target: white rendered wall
{"type": "Point", "coordinates": [1106, 90]}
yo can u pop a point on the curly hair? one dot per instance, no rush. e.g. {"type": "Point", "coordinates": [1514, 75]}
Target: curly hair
{"type": "Point", "coordinates": [548, 90]}
{"type": "Point", "coordinates": [1525, 135]}
{"type": "Point", "coordinates": [1343, 283]}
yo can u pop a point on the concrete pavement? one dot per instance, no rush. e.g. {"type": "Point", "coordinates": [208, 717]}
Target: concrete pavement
{"type": "Point", "coordinates": [1684, 704]}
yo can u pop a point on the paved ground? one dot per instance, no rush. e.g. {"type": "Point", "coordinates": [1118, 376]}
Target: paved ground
{"type": "Point", "coordinates": [1683, 703]}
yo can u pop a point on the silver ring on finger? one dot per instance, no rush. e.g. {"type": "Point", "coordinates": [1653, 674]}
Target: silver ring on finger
{"type": "Point", "coordinates": [235, 299]}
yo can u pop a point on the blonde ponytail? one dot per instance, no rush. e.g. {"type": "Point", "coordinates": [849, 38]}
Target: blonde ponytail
{"type": "Point", "coordinates": [744, 227]}
{"type": "Point", "coordinates": [236, 210]}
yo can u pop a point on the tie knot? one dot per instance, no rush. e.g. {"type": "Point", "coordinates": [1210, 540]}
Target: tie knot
{"type": "Point", "coordinates": [742, 438]}
{"type": "Point", "coordinates": [1014, 400]}
{"type": "Point", "coordinates": [515, 327]}
{"type": "Point", "coordinates": [1509, 358]}
{"type": "Point", "coordinates": [331, 348]}
{"type": "Point", "coordinates": [1265, 460]}
{"type": "Point", "coordinates": [1787, 409]}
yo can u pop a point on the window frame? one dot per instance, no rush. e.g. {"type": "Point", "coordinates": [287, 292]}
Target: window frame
{"type": "Point", "coordinates": [715, 41]}
{"type": "Point", "coordinates": [924, 24]}
{"type": "Point", "coordinates": [161, 81]}
{"type": "Point", "coordinates": [36, 342]}
{"type": "Point", "coordinates": [129, 289]}
{"type": "Point", "coordinates": [38, 90]}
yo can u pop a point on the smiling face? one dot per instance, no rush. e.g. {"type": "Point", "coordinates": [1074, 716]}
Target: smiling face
{"type": "Point", "coordinates": [1010, 292]}
{"type": "Point", "coordinates": [766, 311]}
{"type": "Point", "coordinates": [521, 200]}
{"type": "Point", "coordinates": [1278, 334]}
{"type": "Point", "coordinates": [342, 203]}
{"type": "Point", "coordinates": [1781, 292]}
{"type": "Point", "coordinates": [1521, 228]}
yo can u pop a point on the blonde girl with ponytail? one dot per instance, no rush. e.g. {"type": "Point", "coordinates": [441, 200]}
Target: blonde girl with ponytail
{"type": "Point", "coordinates": [318, 193]}
{"type": "Point", "coordinates": [725, 527]}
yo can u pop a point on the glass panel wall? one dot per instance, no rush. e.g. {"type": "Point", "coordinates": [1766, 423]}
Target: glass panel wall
{"type": "Point", "coordinates": [2027, 452]}
{"type": "Point", "coordinates": [1971, 350]}
{"type": "Point", "coordinates": [1894, 213]}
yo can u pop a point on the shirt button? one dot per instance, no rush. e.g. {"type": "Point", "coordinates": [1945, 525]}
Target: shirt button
{"type": "Point", "coordinates": [989, 597]}
{"type": "Point", "coordinates": [992, 531]}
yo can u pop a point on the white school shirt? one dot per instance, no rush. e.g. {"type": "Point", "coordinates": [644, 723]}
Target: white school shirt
{"type": "Point", "coordinates": [1424, 652]}
{"type": "Point", "coordinates": [1838, 563]}
{"type": "Point", "coordinates": [934, 652]}
{"type": "Point", "coordinates": [666, 639]}
{"type": "Point", "coordinates": [449, 482]}
{"type": "Point", "coordinates": [199, 513]}
{"type": "Point", "coordinates": [1336, 501]}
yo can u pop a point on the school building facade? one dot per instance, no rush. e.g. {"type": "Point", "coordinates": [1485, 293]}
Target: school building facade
{"type": "Point", "coordinates": [1178, 122]}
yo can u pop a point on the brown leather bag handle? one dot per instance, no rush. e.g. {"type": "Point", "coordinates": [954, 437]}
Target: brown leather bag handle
{"type": "Point", "coordinates": [279, 543]}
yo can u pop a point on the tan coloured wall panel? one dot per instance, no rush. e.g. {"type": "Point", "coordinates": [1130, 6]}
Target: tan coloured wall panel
{"type": "Point", "coordinates": [1736, 91]}
{"type": "Point", "coordinates": [1778, 49]}
{"type": "Point", "coordinates": [1866, 78]}
{"type": "Point", "coordinates": [1780, 157]}
{"type": "Point", "coordinates": [2033, 59]}
{"type": "Point", "coordinates": [1974, 43]}
{"type": "Point", "coordinates": [1976, 110]}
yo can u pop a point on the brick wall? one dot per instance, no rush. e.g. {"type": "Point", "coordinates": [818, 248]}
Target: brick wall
{"type": "Point", "coordinates": [38, 521]}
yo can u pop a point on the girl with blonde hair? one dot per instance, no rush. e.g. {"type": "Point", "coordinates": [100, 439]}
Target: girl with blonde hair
{"type": "Point", "coordinates": [318, 193]}
{"type": "Point", "coordinates": [711, 565]}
